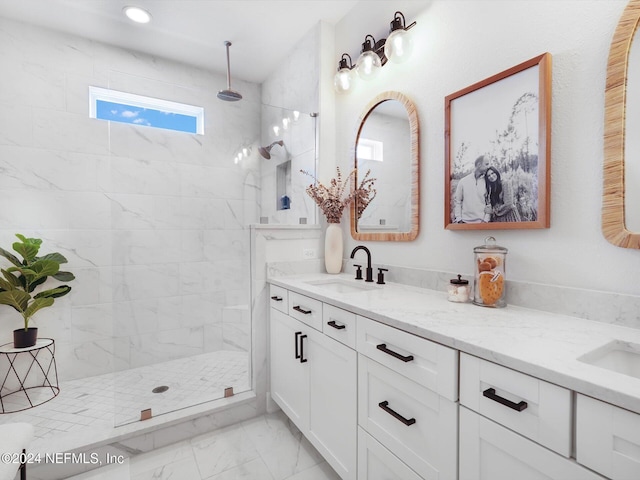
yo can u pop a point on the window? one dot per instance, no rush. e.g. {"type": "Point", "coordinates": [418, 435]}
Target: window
{"type": "Point", "coordinates": [369, 149]}
{"type": "Point", "coordinates": [124, 107]}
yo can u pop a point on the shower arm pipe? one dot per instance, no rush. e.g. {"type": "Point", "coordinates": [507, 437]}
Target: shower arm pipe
{"type": "Point", "coordinates": [228, 44]}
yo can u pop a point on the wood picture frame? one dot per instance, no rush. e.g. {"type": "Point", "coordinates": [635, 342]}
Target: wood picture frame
{"type": "Point", "coordinates": [502, 126]}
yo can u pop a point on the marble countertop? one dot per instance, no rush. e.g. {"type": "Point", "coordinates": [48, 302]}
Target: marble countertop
{"type": "Point", "coordinates": [544, 345]}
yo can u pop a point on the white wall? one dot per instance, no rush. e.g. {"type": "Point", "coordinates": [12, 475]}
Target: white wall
{"type": "Point", "coordinates": [458, 43]}
{"type": "Point", "coordinates": [153, 222]}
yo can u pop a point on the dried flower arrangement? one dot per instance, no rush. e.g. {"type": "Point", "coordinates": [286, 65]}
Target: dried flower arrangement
{"type": "Point", "coordinates": [365, 193]}
{"type": "Point", "coordinates": [332, 199]}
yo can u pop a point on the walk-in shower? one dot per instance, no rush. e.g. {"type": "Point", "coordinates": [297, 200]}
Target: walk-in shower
{"type": "Point", "coordinates": [156, 226]}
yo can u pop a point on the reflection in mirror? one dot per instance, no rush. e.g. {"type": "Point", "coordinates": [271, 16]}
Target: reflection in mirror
{"type": "Point", "coordinates": [632, 142]}
{"type": "Point", "coordinates": [384, 148]}
{"type": "Point", "coordinates": [387, 147]}
{"type": "Point", "coordinates": [620, 224]}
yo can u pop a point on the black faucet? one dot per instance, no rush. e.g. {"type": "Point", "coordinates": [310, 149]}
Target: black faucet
{"type": "Point", "coordinates": [369, 269]}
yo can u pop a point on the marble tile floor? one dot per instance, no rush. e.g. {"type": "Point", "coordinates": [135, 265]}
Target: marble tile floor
{"type": "Point", "coordinates": [268, 447]}
{"type": "Point", "coordinates": [105, 401]}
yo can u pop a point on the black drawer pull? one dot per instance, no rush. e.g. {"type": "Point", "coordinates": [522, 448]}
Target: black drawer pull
{"type": "Point", "coordinates": [407, 421]}
{"type": "Point", "coordinates": [298, 308]}
{"type": "Point", "coordinates": [302, 359]}
{"type": "Point", "coordinates": [297, 343]}
{"type": "Point", "coordinates": [276, 298]}
{"type": "Point", "coordinates": [383, 347]}
{"type": "Point", "coordinates": [333, 324]}
{"type": "Point", "coordinates": [491, 394]}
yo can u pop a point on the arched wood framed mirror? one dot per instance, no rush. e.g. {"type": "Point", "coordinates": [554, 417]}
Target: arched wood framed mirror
{"type": "Point", "coordinates": [621, 186]}
{"type": "Point", "coordinates": [387, 145]}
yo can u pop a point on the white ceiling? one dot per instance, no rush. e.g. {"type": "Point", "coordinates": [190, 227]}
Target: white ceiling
{"type": "Point", "coordinates": [192, 31]}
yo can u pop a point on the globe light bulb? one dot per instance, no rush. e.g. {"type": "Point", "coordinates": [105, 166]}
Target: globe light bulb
{"type": "Point", "coordinates": [343, 80]}
{"type": "Point", "coordinates": [368, 65]}
{"type": "Point", "coordinates": [398, 46]}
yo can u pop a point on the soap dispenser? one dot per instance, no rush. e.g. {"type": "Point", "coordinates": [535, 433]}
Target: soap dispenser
{"type": "Point", "coordinates": [490, 269]}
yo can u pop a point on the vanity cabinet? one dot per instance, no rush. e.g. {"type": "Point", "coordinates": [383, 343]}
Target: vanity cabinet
{"type": "Point", "coordinates": [407, 388]}
{"type": "Point", "coordinates": [380, 403]}
{"type": "Point", "coordinates": [514, 426]}
{"type": "Point", "coordinates": [607, 439]}
{"type": "Point", "coordinates": [314, 381]}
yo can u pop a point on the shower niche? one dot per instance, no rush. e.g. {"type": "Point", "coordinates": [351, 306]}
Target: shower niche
{"type": "Point", "coordinates": [283, 185]}
{"type": "Point", "coordinates": [289, 139]}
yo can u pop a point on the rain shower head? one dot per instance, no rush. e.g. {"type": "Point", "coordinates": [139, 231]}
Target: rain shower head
{"type": "Point", "coordinates": [229, 95]}
{"type": "Point", "coordinates": [266, 151]}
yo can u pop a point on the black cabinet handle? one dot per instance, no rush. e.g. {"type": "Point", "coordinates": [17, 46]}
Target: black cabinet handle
{"type": "Point", "coordinates": [491, 394]}
{"type": "Point", "coordinates": [333, 324]}
{"type": "Point", "coordinates": [383, 347]}
{"type": "Point", "coordinates": [407, 421]}
{"type": "Point", "coordinates": [276, 298]}
{"type": "Point", "coordinates": [301, 310]}
{"type": "Point", "coordinates": [297, 343]}
{"type": "Point", "coordinates": [302, 359]}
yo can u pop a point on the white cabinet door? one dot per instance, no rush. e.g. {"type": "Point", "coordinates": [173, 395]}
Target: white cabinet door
{"type": "Point", "coordinates": [423, 361]}
{"type": "Point", "coordinates": [608, 439]}
{"type": "Point", "coordinates": [375, 462]}
{"type": "Point", "coordinates": [489, 451]}
{"type": "Point", "coordinates": [333, 402]}
{"type": "Point", "coordinates": [289, 375]}
{"type": "Point", "coordinates": [532, 407]}
{"type": "Point", "coordinates": [416, 424]}
{"type": "Point", "coordinates": [314, 381]}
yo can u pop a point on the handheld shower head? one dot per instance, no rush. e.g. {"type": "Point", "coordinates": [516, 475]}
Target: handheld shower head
{"type": "Point", "coordinates": [229, 95]}
{"type": "Point", "coordinates": [266, 151]}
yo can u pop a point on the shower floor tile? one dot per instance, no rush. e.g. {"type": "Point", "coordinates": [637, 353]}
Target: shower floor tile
{"type": "Point", "coordinates": [118, 398]}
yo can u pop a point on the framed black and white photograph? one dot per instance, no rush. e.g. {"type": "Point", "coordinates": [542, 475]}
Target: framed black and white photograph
{"type": "Point", "coordinates": [497, 150]}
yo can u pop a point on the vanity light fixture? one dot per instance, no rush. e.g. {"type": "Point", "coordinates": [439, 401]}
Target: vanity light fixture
{"type": "Point", "coordinates": [398, 46]}
{"type": "Point", "coordinates": [137, 14]}
{"type": "Point", "coordinates": [371, 59]}
{"type": "Point", "coordinates": [374, 54]}
{"type": "Point", "coordinates": [343, 81]}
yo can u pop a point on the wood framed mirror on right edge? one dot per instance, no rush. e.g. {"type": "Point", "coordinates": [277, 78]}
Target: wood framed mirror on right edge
{"type": "Point", "coordinates": [621, 171]}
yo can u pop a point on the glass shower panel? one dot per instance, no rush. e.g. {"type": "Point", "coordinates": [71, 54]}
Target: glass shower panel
{"type": "Point", "coordinates": [292, 138]}
{"type": "Point", "coordinates": [181, 209]}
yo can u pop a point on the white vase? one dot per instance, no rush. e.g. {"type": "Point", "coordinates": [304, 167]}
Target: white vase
{"type": "Point", "coordinates": [333, 248]}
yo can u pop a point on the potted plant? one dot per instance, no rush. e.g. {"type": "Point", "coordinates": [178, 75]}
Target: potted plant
{"type": "Point", "coordinates": [19, 282]}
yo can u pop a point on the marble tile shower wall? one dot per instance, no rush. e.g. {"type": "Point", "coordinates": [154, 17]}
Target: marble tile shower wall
{"type": "Point", "coordinates": [152, 221]}
{"type": "Point", "coordinates": [294, 86]}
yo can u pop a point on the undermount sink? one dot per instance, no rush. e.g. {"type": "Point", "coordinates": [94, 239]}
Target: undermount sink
{"type": "Point", "coordinates": [338, 285]}
{"type": "Point", "coordinates": [618, 356]}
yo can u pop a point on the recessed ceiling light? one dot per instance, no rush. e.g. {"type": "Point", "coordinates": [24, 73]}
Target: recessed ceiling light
{"type": "Point", "coordinates": [137, 14]}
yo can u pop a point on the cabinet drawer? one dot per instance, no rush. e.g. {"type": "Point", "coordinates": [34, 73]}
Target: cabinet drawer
{"type": "Point", "coordinates": [375, 462]}
{"type": "Point", "coordinates": [489, 451]}
{"type": "Point", "coordinates": [430, 364]}
{"type": "Point", "coordinates": [278, 298]}
{"type": "Point", "coordinates": [339, 325]}
{"type": "Point", "coordinates": [307, 310]}
{"type": "Point", "coordinates": [414, 423]}
{"type": "Point", "coordinates": [532, 407]}
{"type": "Point", "coordinates": [607, 439]}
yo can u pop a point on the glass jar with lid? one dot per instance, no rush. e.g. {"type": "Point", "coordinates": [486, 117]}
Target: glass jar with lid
{"type": "Point", "coordinates": [490, 269]}
{"type": "Point", "coordinates": [458, 290]}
